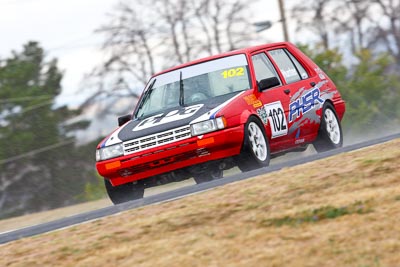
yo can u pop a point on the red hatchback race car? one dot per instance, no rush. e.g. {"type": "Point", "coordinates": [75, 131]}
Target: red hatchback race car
{"type": "Point", "coordinates": [234, 109]}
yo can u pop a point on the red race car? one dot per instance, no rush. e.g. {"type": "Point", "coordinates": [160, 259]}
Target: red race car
{"type": "Point", "coordinates": [234, 109]}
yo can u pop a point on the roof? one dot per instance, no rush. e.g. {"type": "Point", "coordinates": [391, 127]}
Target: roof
{"type": "Point", "coordinates": [246, 50]}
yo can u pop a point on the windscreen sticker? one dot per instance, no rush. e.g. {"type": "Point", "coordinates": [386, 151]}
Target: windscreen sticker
{"type": "Point", "coordinates": [233, 72]}
{"type": "Point", "coordinates": [171, 116]}
{"type": "Point", "coordinates": [289, 72]}
{"type": "Point", "coordinates": [277, 119]}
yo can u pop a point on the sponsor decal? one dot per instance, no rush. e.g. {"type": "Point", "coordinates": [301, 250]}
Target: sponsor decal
{"type": "Point", "coordinates": [171, 116]}
{"type": "Point", "coordinates": [257, 104]}
{"type": "Point", "coordinates": [305, 103]}
{"type": "Point", "coordinates": [252, 100]}
{"type": "Point", "coordinates": [320, 73]}
{"type": "Point", "coordinates": [289, 72]}
{"type": "Point", "coordinates": [276, 118]}
{"type": "Point", "coordinates": [263, 115]}
{"type": "Point", "coordinates": [299, 141]}
{"type": "Point", "coordinates": [298, 134]}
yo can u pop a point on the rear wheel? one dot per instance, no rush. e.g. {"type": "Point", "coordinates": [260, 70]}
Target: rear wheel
{"type": "Point", "coordinates": [125, 192]}
{"type": "Point", "coordinates": [330, 134]}
{"type": "Point", "coordinates": [255, 152]}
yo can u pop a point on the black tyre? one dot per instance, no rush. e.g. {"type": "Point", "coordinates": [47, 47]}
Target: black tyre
{"type": "Point", "coordinates": [125, 192]}
{"type": "Point", "coordinates": [213, 174]}
{"type": "Point", "coordinates": [255, 151]}
{"type": "Point", "coordinates": [330, 134]}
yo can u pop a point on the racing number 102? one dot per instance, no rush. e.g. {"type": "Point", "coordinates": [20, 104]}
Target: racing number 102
{"type": "Point", "coordinates": [233, 72]}
{"type": "Point", "coordinates": [277, 119]}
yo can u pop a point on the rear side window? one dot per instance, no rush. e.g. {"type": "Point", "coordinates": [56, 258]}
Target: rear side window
{"type": "Point", "coordinates": [263, 67]}
{"type": "Point", "coordinates": [303, 73]}
{"type": "Point", "coordinates": [290, 67]}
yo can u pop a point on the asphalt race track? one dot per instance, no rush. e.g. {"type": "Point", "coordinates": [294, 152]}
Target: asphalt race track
{"type": "Point", "coordinates": [177, 193]}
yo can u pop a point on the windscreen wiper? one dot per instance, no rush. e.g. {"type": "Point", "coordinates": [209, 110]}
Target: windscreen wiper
{"type": "Point", "coordinates": [146, 96]}
{"type": "Point", "coordinates": [181, 91]}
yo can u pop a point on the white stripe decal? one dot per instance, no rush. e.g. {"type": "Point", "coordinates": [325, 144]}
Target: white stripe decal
{"type": "Point", "coordinates": [113, 139]}
{"type": "Point", "coordinates": [211, 114]}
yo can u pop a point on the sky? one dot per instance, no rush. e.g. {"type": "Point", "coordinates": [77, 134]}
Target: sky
{"type": "Point", "coordinates": [66, 31]}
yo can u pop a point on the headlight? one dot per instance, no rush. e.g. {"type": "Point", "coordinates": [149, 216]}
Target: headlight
{"type": "Point", "coordinates": [208, 126]}
{"type": "Point", "coordinates": [109, 152]}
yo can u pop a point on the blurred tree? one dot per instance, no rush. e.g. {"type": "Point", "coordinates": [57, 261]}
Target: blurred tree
{"type": "Point", "coordinates": [367, 32]}
{"type": "Point", "coordinates": [372, 93]}
{"type": "Point", "coordinates": [145, 37]}
{"type": "Point", "coordinates": [330, 60]}
{"type": "Point", "coordinates": [372, 24]}
{"type": "Point", "coordinates": [314, 16]}
{"type": "Point", "coordinates": [40, 167]}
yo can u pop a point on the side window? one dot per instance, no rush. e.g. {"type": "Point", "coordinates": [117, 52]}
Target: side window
{"type": "Point", "coordinates": [300, 68]}
{"type": "Point", "coordinates": [263, 67]}
{"type": "Point", "coordinates": [291, 69]}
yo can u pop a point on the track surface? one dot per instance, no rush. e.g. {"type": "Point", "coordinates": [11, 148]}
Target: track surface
{"type": "Point", "coordinates": [177, 193]}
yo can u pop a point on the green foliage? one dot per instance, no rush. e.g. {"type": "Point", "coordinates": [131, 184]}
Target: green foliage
{"type": "Point", "coordinates": [40, 167]}
{"type": "Point", "coordinates": [372, 93]}
{"type": "Point", "coordinates": [94, 190]}
{"type": "Point", "coordinates": [331, 61]}
{"type": "Point", "coordinates": [28, 87]}
{"type": "Point", "coordinates": [319, 214]}
{"type": "Point", "coordinates": [370, 89]}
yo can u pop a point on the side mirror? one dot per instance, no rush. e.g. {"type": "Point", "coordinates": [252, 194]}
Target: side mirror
{"type": "Point", "coordinates": [265, 84]}
{"type": "Point", "coordinates": [124, 119]}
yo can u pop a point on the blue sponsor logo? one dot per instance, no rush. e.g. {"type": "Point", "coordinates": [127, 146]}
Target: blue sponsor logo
{"type": "Point", "coordinates": [304, 104]}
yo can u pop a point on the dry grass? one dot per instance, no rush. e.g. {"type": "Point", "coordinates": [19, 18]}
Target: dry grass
{"type": "Point", "coordinates": [19, 222]}
{"type": "Point", "coordinates": [340, 211]}
{"type": "Point", "coordinates": [50, 215]}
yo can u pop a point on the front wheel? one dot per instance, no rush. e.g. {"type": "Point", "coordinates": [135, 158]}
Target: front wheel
{"type": "Point", "coordinates": [330, 134]}
{"type": "Point", "coordinates": [125, 192]}
{"type": "Point", "coordinates": [255, 152]}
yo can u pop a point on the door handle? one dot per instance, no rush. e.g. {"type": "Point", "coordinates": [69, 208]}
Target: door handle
{"type": "Point", "coordinates": [312, 84]}
{"type": "Point", "coordinates": [286, 91]}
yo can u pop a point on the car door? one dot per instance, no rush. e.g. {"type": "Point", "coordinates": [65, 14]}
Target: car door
{"type": "Point", "coordinates": [301, 97]}
{"type": "Point", "coordinates": [275, 103]}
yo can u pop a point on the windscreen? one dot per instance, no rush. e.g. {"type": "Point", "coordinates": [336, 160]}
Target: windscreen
{"type": "Point", "coordinates": [195, 84]}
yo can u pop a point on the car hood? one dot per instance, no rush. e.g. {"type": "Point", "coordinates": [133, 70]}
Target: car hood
{"type": "Point", "coordinates": [169, 119]}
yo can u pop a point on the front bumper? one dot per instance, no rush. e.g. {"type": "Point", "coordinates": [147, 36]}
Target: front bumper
{"type": "Point", "coordinates": [195, 150]}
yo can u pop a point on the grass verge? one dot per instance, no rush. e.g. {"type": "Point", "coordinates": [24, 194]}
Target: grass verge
{"type": "Point", "coordinates": [339, 211]}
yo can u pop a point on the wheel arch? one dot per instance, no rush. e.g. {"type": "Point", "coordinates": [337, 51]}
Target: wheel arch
{"type": "Point", "coordinates": [330, 102]}
{"type": "Point", "coordinates": [266, 127]}
{"type": "Point", "coordinates": [248, 158]}
{"type": "Point", "coordinates": [324, 141]}
{"type": "Point", "coordinates": [320, 111]}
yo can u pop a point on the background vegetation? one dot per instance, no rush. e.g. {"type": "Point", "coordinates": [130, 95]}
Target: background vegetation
{"type": "Point", "coordinates": [42, 166]}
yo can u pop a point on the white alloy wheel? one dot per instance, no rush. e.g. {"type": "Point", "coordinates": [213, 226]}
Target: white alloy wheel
{"type": "Point", "coordinates": [332, 126]}
{"type": "Point", "coordinates": [257, 141]}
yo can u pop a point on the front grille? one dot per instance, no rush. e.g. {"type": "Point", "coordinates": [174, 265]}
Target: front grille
{"type": "Point", "coordinates": [155, 140]}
